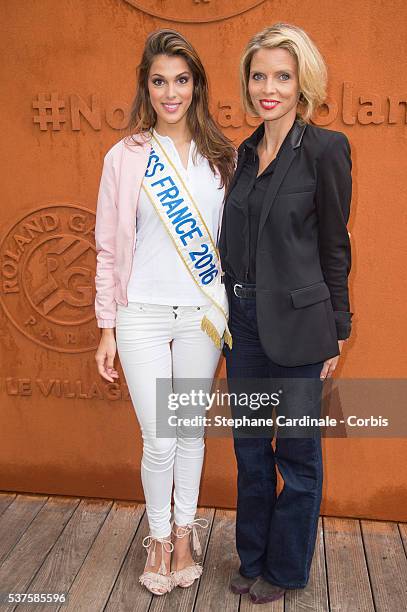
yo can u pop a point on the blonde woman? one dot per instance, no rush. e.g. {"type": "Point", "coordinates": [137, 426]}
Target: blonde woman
{"type": "Point", "coordinates": [158, 281]}
{"type": "Point", "coordinates": [286, 253]}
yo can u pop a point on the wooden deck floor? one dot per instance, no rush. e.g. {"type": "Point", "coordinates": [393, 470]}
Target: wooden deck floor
{"type": "Point", "coordinates": [92, 549]}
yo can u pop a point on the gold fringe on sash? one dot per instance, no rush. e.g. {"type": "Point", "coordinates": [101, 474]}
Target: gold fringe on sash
{"type": "Point", "coordinates": [228, 338]}
{"type": "Point", "coordinates": [208, 327]}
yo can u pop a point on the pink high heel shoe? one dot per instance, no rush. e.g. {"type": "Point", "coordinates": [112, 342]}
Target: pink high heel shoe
{"type": "Point", "coordinates": [187, 576]}
{"type": "Point", "coordinates": [159, 582]}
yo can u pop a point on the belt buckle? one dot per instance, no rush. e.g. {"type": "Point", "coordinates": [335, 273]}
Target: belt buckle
{"type": "Point", "coordinates": [234, 288]}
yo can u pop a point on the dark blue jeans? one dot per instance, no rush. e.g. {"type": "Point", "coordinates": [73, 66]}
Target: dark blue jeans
{"type": "Point", "coordinates": [275, 535]}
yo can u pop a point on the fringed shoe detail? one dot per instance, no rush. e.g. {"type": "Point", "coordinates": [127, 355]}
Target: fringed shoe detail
{"type": "Point", "coordinates": [161, 582]}
{"type": "Point", "coordinates": [187, 576]}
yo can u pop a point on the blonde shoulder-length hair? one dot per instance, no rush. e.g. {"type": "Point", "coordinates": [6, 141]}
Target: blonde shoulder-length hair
{"type": "Point", "coordinates": [312, 72]}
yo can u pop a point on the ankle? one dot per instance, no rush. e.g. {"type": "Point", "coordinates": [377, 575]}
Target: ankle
{"type": "Point", "coordinates": [184, 531]}
{"type": "Point", "coordinates": [158, 553]}
{"type": "Point", "coordinates": [180, 531]}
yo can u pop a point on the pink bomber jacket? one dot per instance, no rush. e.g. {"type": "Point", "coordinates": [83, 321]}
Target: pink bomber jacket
{"type": "Point", "coordinates": [124, 167]}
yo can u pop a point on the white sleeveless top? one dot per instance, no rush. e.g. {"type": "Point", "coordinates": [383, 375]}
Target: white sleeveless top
{"type": "Point", "coordinates": [158, 275]}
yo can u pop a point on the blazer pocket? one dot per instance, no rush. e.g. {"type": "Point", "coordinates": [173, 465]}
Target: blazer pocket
{"type": "Point", "coordinates": [304, 188]}
{"type": "Point", "coordinates": [310, 295]}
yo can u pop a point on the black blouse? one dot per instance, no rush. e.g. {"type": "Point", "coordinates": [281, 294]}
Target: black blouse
{"type": "Point", "coordinates": [242, 213]}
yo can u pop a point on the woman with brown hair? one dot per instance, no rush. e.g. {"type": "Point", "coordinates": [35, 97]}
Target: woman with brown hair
{"type": "Point", "coordinates": [158, 282]}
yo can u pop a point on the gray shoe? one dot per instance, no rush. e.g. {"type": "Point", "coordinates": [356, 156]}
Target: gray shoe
{"type": "Point", "coordinates": [265, 592]}
{"type": "Point", "coordinates": [240, 584]}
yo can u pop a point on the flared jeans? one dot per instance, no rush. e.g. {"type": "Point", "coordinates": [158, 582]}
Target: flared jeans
{"type": "Point", "coordinates": [275, 535]}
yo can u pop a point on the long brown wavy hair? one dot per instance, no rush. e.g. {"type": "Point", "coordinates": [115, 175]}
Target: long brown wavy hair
{"type": "Point", "coordinates": [210, 142]}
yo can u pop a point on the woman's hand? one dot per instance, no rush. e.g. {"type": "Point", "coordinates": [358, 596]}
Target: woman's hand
{"type": "Point", "coordinates": [105, 355]}
{"type": "Point", "coordinates": [329, 366]}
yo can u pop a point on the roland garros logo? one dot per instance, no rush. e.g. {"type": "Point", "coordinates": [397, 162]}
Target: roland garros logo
{"type": "Point", "coordinates": [194, 11]}
{"type": "Point", "coordinates": [47, 277]}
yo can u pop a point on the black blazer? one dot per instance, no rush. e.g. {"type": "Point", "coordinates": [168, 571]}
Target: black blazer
{"type": "Point", "coordinates": [303, 254]}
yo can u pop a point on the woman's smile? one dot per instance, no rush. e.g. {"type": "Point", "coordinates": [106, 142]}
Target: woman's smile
{"type": "Point", "coordinates": [269, 104]}
{"type": "Point", "coordinates": [171, 107]}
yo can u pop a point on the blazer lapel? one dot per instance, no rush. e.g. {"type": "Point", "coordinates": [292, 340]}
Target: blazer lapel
{"type": "Point", "coordinates": [286, 156]}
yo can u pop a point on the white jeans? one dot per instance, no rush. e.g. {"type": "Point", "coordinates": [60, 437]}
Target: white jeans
{"type": "Point", "coordinates": [157, 341]}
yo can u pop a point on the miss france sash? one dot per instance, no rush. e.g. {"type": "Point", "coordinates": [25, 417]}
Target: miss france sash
{"type": "Point", "coordinates": [182, 220]}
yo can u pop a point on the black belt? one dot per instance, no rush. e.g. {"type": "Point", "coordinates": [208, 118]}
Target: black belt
{"type": "Point", "coordinates": [244, 290]}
